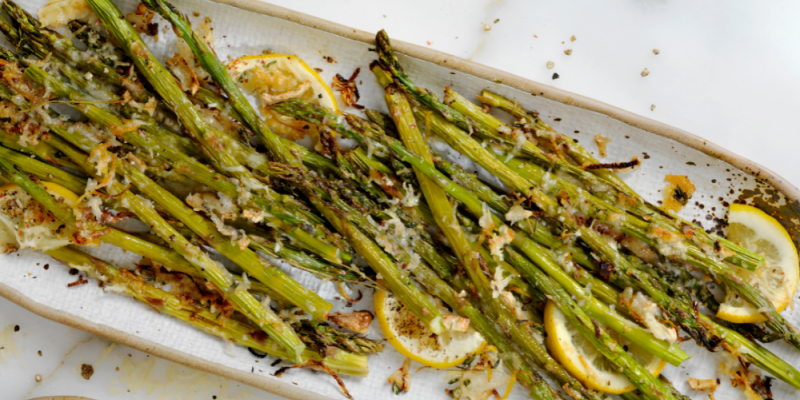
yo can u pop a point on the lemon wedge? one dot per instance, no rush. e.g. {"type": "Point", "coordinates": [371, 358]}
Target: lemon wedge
{"type": "Point", "coordinates": [416, 341]}
{"type": "Point", "coordinates": [273, 78]}
{"type": "Point", "coordinates": [777, 279]}
{"type": "Point", "coordinates": [24, 223]}
{"type": "Point", "coordinates": [584, 362]}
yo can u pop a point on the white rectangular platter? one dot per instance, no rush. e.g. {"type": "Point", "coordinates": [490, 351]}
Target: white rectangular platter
{"type": "Point", "coordinates": [253, 27]}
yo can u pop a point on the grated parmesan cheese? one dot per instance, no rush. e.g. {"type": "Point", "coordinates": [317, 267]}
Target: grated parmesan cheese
{"type": "Point", "coordinates": [517, 213]}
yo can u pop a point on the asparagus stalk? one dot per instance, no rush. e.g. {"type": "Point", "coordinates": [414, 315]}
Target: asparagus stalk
{"type": "Point", "coordinates": [65, 48]}
{"type": "Point", "coordinates": [538, 388]}
{"type": "Point", "coordinates": [210, 140]}
{"type": "Point", "coordinates": [218, 276]}
{"type": "Point", "coordinates": [232, 330]}
{"type": "Point", "coordinates": [681, 313]}
{"type": "Point", "coordinates": [694, 255]}
{"type": "Point", "coordinates": [278, 216]}
{"type": "Point", "coordinates": [319, 115]}
{"type": "Point", "coordinates": [468, 253]}
{"type": "Point", "coordinates": [741, 257]}
{"type": "Point", "coordinates": [219, 73]}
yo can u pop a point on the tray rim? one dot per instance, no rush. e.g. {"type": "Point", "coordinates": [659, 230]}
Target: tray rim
{"type": "Point", "coordinates": [285, 388]}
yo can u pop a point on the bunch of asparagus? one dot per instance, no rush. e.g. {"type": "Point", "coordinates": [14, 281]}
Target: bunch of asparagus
{"type": "Point", "coordinates": [145, 140]}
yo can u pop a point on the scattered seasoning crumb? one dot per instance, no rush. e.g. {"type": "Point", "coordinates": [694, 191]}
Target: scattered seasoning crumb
{"type": "Point", "coordinates": [646, 156]}
{"type": "Point", "coordinates": [573, 38]}
{"type": "Point", "coordinates": [429, 42]}
{"type": "Point", "coordinates": [487, 27]}
{"type": "Point", "coordinates": [329, 59]}
{"type": "Point", "coordinates": [645, 72]}
{"type": "Point", "coordinates": [602, 142]}
{"type": "Point", "coordinates": [550, 65]}
{"type": "Point", "coordinates": [677, 192]}
{"type": "Point", "coordinates": [73, 271]}
{"type": "Point", "coordinates": [568, 52]}
{"type": "Point", "coordinates": [40, 353]}
{"type": "Point", "coordinates": [46, 267]}
{"type": "Point", "coordinates": [117, 369]}
{"type": "Point", "coordinates": [196, 14]}
{"type": "Point", "coordinates": [87, 371]}
{"type": "Point", "coordinates": [652, 107]}
{"type": "Point", "coordinates": [557, 119]}
{"type": "Point", "coordinates": [16, 328]}
{"type": "Point", "coordinates": [656, 52]}
{"type": "Point", "coordinates": [555, 75]}
{"type": "Point", "coordinates": [497, 20]}
{"type": "Point", "coordinates": [38, 378]}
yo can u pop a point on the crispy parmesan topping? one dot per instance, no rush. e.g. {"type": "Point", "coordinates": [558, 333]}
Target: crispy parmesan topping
{"type": "Point", "coordinates": [142, 21]}
{"type": "Point", "coordinates": [184, 73]}
{"type": "Point", "coordinates": [277, 98]}
{"type": "Point", "coordinates": [485, 221]}
{"type": "Point", "coordinates": [602, 143]}
{"type": "Point", "coordinates": [347, 89]}
{"type": "Point", "coordinates": [503, 237]}
{"type": "Point", "coordinates": [647, 312]}
{"type": "Point", "coordinates": [58, 12]}
{"type": "Point", "coordinates": [517, 213]}
{"type": "Point", "coordinates": [709, 385]}
{"type": "Point", "coordinates": [401, 379]}
{"type": "Point", "coordinates": [219, 207]}
{"type": "Point", "coordinates": [25, 223]}
{"type": "Point", "coordinates": [499, 283]}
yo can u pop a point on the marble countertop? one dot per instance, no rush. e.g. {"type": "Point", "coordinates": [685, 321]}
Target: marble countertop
{"type": "Point", "coordinates": [725, 71]}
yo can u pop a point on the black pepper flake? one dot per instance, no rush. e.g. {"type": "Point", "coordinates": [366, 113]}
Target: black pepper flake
{"type": "Point", "coordinates": [16, 328]}
{"type": "Point", "coordinates": [557, 119]}
{"type": "Point", "coordinates": [646, 156]}
{"type": "Point", "coordinates": [73, 271]}
{"type": "Point", "coordinates": [691, 163]}
{"type": "Point", "coordinates": [46, 267]}
{"type": "Point", "coordinates": [555, 75]}
{"type": "Point", "coordinates": [274, 363]}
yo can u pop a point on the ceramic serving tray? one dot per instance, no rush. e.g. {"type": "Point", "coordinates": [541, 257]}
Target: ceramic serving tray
{"type": "Point", "coordinates": [247, 27]}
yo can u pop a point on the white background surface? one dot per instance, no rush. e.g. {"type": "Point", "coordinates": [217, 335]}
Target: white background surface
{"type": "Point", "coordinates": [727, 71]}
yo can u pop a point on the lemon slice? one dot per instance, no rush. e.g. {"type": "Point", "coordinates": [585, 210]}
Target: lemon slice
{"type": "Point", "coordinates": [584, 362]}
{"type": "Point", "coordinates": [416, 341]}
{"type": "Point", "coordinates": [277, 77]}
{"type": "Point", "coordinates": [777, 279]}
{"type": "Point", "coordinates": [24, 223]}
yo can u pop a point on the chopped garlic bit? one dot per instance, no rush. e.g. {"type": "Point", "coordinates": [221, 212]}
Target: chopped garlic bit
{"type": "Point", "coordinates": [357, 321]}
{"type": "Point", "coordinates": [455, 323]}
